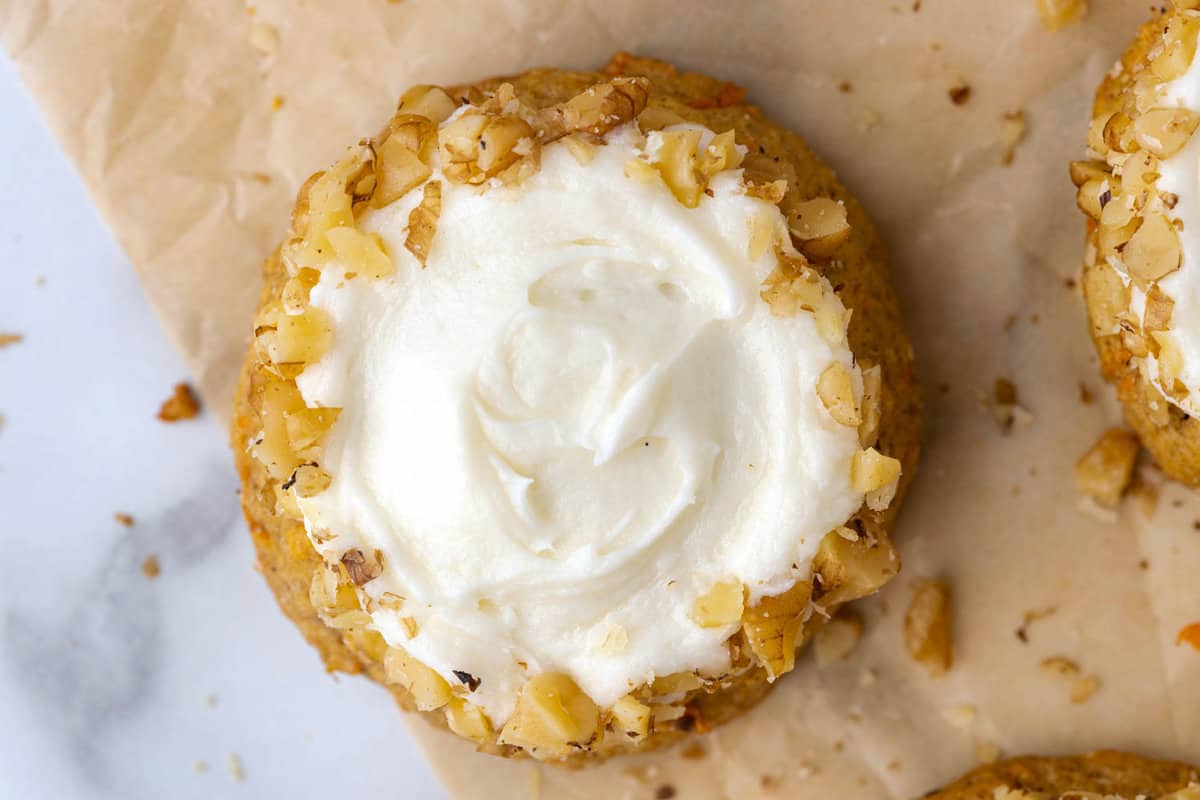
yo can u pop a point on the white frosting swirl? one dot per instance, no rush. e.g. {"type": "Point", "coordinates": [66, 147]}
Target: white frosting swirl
{"type": "Point", "coordinates": [571, 423]}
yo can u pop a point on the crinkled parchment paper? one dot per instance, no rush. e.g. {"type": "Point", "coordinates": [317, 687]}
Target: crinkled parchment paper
{"type": "Point", "coordinates": [193, 124]}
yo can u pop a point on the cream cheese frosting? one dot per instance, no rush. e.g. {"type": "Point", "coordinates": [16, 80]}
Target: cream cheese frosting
{"type": "Point", "coordinates": [571, 422]}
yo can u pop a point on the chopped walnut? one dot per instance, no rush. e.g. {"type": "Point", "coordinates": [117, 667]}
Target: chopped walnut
{"type": "Point", "coordinates": [1012, 133]}
{"type": "Point", "coordinates": [150, 567]}
{"type": "Point", "coordinates": [423, 221]}
{"type": "Point", "coordinates": [836, 392]}
{"type": "Point", "coordinates": [183, 404]}
{"type": "Point", "coordinates": [819, 225]}
{"type": "Point", "coordinates": [1153, 250]}
{"type": "Point", "coordinates": [1104, 472]}
{"type": "Point", "coordinates": [476, 147]}
{"type": "Point", "coordinates": [361, 567]}
{"type": "Point", "coordinates": [597, 110]}
{"type": "Point", "coordinates": [927, 627]}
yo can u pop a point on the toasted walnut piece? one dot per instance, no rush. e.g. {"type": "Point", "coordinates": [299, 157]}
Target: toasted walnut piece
{"type": "Point", "coordinates": [850, 569]}
{"type": "Point", "coordinates": [604, 106]}
{"type": "Point", "coordinates": [398, 170]}
{"type": "Point", "coordinates": [476, 147]}
{"type": "Point", "coordinates": [1178, 48]}
{"type": "Point", "coordinates": [771, 191]}
{"type": "Point", "coordinates": [428, 689]}
{"type": "Point", "coordinates": [1154, 250]}
{"type": "Point", "coordinates": [430, 102]}
{"type": "Point", "coordinates": [361, 567]}
{"type": "Point", "coordinates": [678, 683]}
{"type": "Point", "coordinates": [182, 404]}
{"type": "Point", "coordinates": [1058, 14]}
{"type": "Point", "coordinates": [834, 640]}
{"type": "Point", "coordinates": [1108, 297]}
{"type": "Point", "coordinates": [1164, 131]}
{"type": "Point", "coordinates": [553, 717]}
{"type": "Point", "coordinates": [1170, 364]}
{"type": "Point", "coordinates": [1159, 305]}
{"type": "Point", "coordinates": [411, 629]}
{"type": "Point", "coordinates": [1106, 469]}
{"type": "Point", "coordinates": [299, 338]}
{"type": "Point", "coordinates": [580, 147]}
{"type": "Point", "coordinates": [468, 720]}
{"type": "Point", "coordinates": [772, 627]}
{"type": "Point", "coordinates": [1059, 667]}
{"type": "Point", "coordinates": [871, 471]}
{"type": "Point", "coordinates": [793, 287]}
{"type": "Point", "coordinates": [1083, 688]}
{"type": "Point", "coordinates": [294, 295]}
{"type": "Point", "coordinates": [1095, 137]}
{"type": "Point", "coordinates": [151, 568]}
{"type": "Point", "coordinates": [927, 627]}
{"type": "Point", "coordinates": [1012, 133]}
{"type": "Point", "coordinates": [631, 718]}
{"type": "Point", "coordinates": [1119, 133]}
{"type": "Point", "coordinates": [1138, 174]}
{"type": "Point", "coordinates": [308, 480]}
{"type": "Point", "coordinates": [278, 398]}
{"type": "Point", "coordinates": [423, 221]}
{"type": "Point", "coordinates": [655, 118]}
{"type": "Point", "coordinates": [676, 162]}
{"type": "Point", "coordinates": [325, 205]}
{"type": "Point", "coordinates": [1088, 198]}
{"type": "Point", "coordinates": [721, 154]}
{"type": "Point", "coordinates": [1118, 212]}
{"type": "Point", "coordinates": [1112, 241]}
{"type": "Point", "coordinates": [820, 226]}
{"type": "Point", "coordinates": [764, 232]}
{"type": "Point", "coordinates": [1084, 171]}
{"type": "Point", "coordinates": [836, 391]}
{"type": "Point", "coordinates": [872, 404]}
{"type": "Point", "coordinates": [719, 606]}
{"type": "Point", "coordinates": [642, 172]}
{"type": "Point", "coordinates": [361, 253]}
{"type": "Point", "coordinates": [306, 426]}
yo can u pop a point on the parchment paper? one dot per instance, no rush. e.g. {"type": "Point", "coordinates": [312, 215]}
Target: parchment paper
{"type": "Point", "coordinates": [169, 111]}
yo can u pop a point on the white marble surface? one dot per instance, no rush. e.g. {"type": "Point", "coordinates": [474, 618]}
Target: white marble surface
{"type": "Point", "coordinates": [113, 685]}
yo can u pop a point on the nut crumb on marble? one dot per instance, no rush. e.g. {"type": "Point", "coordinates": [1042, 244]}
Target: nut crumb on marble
{"type": "Point", "coordinates": [959, 94]}
{"type": "Point", "coordinates": [7, 339]}
{"type": "Point", "coordinates": [1105, 471]}
{"type": "Point", "coordinates": [236, 771]}
{"type": "Point", "coordinates": [123, 519]}
{"type": "Point", "coordinates": [150, 567]}
{"type": "Point", "coordinates": [927, 627]}
{"type": "Point", "coordinates": [182, 404]}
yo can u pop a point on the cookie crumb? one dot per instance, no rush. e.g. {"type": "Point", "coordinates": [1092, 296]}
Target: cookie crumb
{"type": "Point", "coordinates": [183, 404]}
{"type": "Point", "coordinates": [150, 567]}
{"type": "Point", "coordinates": [959, 94]}
{"type": "Point", "coordinates": [7, 339]}
{"type": "Point", "coordinates": [123, 518]}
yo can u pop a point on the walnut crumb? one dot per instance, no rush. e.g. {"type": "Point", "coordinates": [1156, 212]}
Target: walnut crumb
{"type": "Point", "coordinates": [235, 768]}
{"type": "Point", "coordinates": [959, 94]}
{"type": "Point", "coordinates": [150, 567]}
{"type": "Point", "coordinates": [927, 627]}
{"type": "Point", "coordinates": [1105, 471]}
{"type": "Point", "coordinates": [7, 339]}
{"type": "Point", "coordinates": [183, 404]}
{"type": "Point", "coordinates": [124, 519]}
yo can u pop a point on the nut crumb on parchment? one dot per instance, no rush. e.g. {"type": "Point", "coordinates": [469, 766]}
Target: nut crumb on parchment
{"type": "Point", "coordinates": [182, 404]}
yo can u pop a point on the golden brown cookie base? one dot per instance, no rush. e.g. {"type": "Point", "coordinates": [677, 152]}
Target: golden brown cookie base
{"type": "Point", "coordinates": [287, 559]}
{"type": "Point", "coordinates": [1107, 771]}
{"type": "Point", "coordinates": [1176, 445]}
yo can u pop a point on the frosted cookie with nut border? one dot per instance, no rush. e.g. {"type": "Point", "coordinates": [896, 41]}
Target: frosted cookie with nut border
{"type": "Point", "coordinates": [1140, 187]}
{"type": "Point", "coordinates": [1105, 775]}
{"type": "Point", "coordinates": [577, 402]}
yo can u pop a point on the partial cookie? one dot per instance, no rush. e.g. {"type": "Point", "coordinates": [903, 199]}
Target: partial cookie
{"type": "Point", "coordinates": [577, 403]}
{"type": "Point", "coordinates": [1105, 774]}
{"type": "Point", "coordinates": [1141, 191]}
